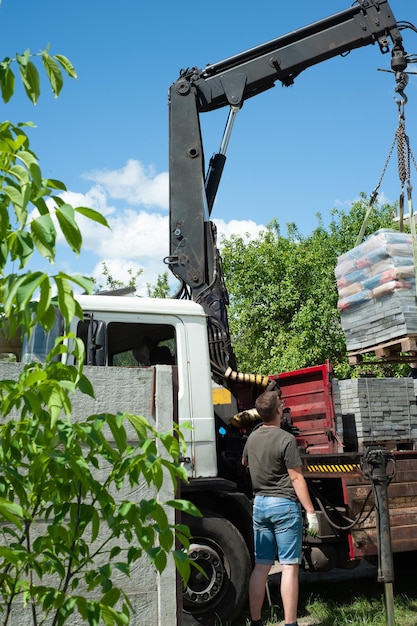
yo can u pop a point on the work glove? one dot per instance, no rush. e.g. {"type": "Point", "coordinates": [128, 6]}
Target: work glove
{"type": "Point", "coordinates": [312, 524]}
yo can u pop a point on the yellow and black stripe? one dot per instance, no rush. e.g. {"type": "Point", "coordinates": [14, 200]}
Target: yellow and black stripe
{"type": "Point", "coordinates": [332, 468]}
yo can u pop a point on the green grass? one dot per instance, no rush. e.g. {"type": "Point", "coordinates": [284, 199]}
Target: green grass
{"type": "Point", "coordinates": [351, 602]}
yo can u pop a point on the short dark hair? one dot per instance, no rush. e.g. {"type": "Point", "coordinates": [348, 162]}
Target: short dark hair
{"type": "Point", "coordinates": [267, 404]}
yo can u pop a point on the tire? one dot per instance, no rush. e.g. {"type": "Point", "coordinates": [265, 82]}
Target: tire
{"type": "Point", "coordinates": [219, 548]}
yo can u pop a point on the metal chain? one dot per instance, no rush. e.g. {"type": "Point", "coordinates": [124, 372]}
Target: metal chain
{"type": "Point", "coordinates": [384, 169]}
{"type": "Point", "coordinates": [374, 195]}
{"type": "Point", "coordinates": [404, 157]}
{"type": "Point", "coordinates": [403, 153]}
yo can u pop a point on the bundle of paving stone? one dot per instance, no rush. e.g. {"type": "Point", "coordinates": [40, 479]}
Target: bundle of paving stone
{"type": "Point", "coordinates": [377, 293]}
{"type": "Point", "coordinates": [375, 410]}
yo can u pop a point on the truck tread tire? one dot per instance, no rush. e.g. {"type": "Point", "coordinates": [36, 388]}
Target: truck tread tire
{"type": "Point", "coordinates": [217, 545]}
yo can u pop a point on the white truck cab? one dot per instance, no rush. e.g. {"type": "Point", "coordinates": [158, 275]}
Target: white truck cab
{"type": "Point", "coordinates": [144, 332]}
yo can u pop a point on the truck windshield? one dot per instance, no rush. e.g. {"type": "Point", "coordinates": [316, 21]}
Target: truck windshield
{"type": "Point", "coordinates": [40, 343]}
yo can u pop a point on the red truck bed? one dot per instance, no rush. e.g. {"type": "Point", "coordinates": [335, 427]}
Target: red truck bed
{"type": "Point", "coordinates": [308, 394]}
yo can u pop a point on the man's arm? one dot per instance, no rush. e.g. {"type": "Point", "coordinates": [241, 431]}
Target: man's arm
{"type": "Point", "coordinates": [300, 488]}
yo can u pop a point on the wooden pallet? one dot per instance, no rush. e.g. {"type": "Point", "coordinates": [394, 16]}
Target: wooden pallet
{"type": "Point", "coordinates": [400, 350]}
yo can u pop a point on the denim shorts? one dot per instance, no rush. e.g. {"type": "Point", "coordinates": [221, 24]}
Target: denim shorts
{"type": "Point", "coordinates": [277, 528]}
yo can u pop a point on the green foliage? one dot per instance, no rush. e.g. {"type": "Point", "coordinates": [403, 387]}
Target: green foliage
{"type": "Point", "coordinates": [30, 213]}
{"type": "Point", "coordinates": [69, 474]}
{"type": "Point", "coordinates": [161, 289]}
{"type": "Point", "coordinates": [283, 312]}
{"type": "Point", "coordinates": [29, 74]}
{"type": "Point", "coordinates": [67, 523]}
{"type": "Point", "coordinates": [113, 283]}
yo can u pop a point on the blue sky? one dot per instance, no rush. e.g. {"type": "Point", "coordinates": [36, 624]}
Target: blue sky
{"type": "Point", "coordinates": [294, 152]}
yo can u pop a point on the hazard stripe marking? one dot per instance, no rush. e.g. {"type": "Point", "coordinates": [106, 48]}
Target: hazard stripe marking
{"type": "Point", "coordinates": [346, 468]}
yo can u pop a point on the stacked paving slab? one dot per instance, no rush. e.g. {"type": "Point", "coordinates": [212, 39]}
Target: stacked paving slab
{"type": "Point", "coordinates": [377, 292]}
{"type": "Point", "coordinates": [376, 410]}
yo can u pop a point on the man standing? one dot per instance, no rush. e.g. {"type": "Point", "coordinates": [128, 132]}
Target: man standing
{"type": "Point", "coordinates": [279, 487]}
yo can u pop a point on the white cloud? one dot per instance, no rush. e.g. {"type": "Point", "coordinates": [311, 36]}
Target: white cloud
{"type": "Point", "coordinates": [247, 229]}
{"type": "Point", "coordinates": [137, 239]}
{"type": "Point", "coordinates": [134, 183]}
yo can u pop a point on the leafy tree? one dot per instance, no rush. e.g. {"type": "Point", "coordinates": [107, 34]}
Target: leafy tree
{"type": "Point", "coordinates": [113, 283]}
{"type": "Point", "coordinates": [48, 464]}
{"type": "Point", "coordinates": [283, 310]}
{"type": "Point", "coordinates": [159, 290]}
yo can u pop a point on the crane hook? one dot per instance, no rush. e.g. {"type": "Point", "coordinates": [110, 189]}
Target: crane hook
{"type": "Point", "coordinates": [401, 78]}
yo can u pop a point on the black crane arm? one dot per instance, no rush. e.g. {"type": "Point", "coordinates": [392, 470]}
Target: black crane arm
{"type": "Point", "coordinates": [194, 258]}
{"type": "Point", "coordinates": [244, 75]}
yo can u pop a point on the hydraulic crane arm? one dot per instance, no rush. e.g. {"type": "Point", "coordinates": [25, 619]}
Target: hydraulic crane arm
{"type": "Point", "coordinates": [194, 258]}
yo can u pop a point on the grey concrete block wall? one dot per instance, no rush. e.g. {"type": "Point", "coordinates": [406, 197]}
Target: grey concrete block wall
{"type": "Point", "coordinates": [146, 392]}
{"type": "Point", "coordinates": [376, 410]}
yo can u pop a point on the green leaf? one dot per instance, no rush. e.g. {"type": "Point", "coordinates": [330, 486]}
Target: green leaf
{"type": "Point", "coordinates": [111, 616]}
{"type": "Point", "coordinates": [93, 215]}
{"type": "Point", "coordinates": [141, 425]}
{"type": "Point", "coordinates": [44, 236]}
{"type": "Point", "coordinates": [35, 377]}
{"type": "Point", "coordinates": [22, 59]}
{"type": "Point", "coordinates": [41, 205]}
{"type": "Point", "coordinates": [29, 75]}
{"type": "Point", "coordinates": [55, 405]}
{"type": "Point", "coordinates": [111, 597]}
{"type": "Point", "coordinates": [44, 299]}
{"type": "Point", "coordinates": [159, 559]}
{"type": "Point", "coordinates": [53, 72]}
{"type": "Point", "coordinates": [12, 512]}
{"type": "Point", "coordinates": [27, 288]}
{"type": "Point", "coordinates": [53, 183]}
{"type": "Point", "coordinates": [47, 318]}
{"type": "Point", "coordinates": [21, 174]}
{"type": "Point", "coordinates": [7, 80]}
{"type": "Point", "coordinates": [185, 506]}
{"type": "Point", "coordinates": [182, 563]}
{"type": "Point", "coordinates": [171, 444]}
{"type": "Point", "coordinates": [85, 386]}
{"type": "Point", "coordinates": [66, 302]}
{"type": "Point", "coordinates": [11, 288]}
{"type": "Point", "coordinates": [82, 281]}
{"type": "Point", "coordinates": [31, 163]}
{"type": "Point", "coordinates": [17, 199]}
{"type": "Point", "coordinates": [10, 555]}
{"type": "Point", "coordinates": [21, 247]}
{"type": "Point", "coordinates": [69, 228]}
{"type": "Point", "coordinates": [66, 64]}
{"type": "Point", "coordinates": [118, 432]}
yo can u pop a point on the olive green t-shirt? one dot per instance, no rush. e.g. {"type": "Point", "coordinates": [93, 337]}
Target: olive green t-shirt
{"type": "Point", "coordinates": [270, 452]}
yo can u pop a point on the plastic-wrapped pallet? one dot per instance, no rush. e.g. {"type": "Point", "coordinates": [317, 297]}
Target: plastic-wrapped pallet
{"type": "Point", "coordinates": [377, 293]}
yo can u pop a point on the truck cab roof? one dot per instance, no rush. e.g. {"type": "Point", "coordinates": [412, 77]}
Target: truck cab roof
{"type": "Point", "coordinates": [133, 304]}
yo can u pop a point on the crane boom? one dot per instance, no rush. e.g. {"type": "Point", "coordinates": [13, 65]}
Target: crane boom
{"type": "Point", "coordinates": [194, 258]}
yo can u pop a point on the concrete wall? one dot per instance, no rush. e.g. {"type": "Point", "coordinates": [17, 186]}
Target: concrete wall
{"type": "Point", "coordinates": [146, 392]}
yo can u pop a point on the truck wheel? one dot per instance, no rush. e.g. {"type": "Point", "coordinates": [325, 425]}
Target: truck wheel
{"type": "Point", "coordinates": [220, 550]}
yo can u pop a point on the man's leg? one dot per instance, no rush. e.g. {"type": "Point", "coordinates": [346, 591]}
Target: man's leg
{"type": "Point", "coordinates": [289, 592]}
{"type": "Point", "coordinates": [257, 586]}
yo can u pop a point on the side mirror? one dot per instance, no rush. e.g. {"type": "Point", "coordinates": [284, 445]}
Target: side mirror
{"type": "Point", "coordinates": [96, 342]}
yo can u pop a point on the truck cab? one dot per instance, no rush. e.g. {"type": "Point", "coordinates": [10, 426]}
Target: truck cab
{"type": "Point", "coordinates": [145, 332]}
